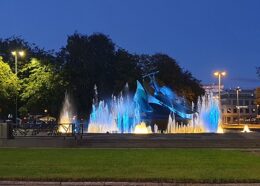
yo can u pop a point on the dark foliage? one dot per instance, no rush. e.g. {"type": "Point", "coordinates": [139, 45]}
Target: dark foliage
{"type": "Point", "coordinates": [86, 61]}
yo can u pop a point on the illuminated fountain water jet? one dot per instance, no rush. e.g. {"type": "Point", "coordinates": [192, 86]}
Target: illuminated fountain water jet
{"type": "Point", "coordinates": [142, 129]}
{"type": "Point", "coordinates": [209, 116]}
{"type": "Point", "coordinates": [128, 114]}
{"type": "Point", "coordinates": [175, 127]}
{"type": "Point", "coordinates": [206, 119]}
{"type": "Point", "coordinates": [118, 115]}
{"type": "Point", "coordinates": [209, 113]}
{"type": "Point", "coordinates": [246, 129]}
{"type": "Point", "coordinates": [66, 115]}
{"type": "Point", "coordinates": [220, 129]}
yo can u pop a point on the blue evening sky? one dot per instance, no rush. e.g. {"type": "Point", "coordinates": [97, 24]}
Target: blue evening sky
{"type": "Point", "coordinates": [202, 35]}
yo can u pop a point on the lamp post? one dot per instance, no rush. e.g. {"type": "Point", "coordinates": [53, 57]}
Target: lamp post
{"type": "Point", "coordinates": [238, 89]}
{"type": "Point", "coordinates": [257, 106]}
{"type": "Point", "coordinates": [46, 115]}
{"type": "Point", "coordinates": [219, 75]}
{"type": "Point", "coordinates": [16, 54]}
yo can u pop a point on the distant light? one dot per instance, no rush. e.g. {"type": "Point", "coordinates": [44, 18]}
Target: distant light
{"type": "Point", "coordinates": [217, 73]}
{"type": "Point", "coordinates": [238, 89]}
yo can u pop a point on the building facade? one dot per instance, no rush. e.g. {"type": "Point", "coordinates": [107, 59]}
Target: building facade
{"type": "Point", "coordinates": [239, 106]}
{"type": "Point", "coordinates": [212, 88]}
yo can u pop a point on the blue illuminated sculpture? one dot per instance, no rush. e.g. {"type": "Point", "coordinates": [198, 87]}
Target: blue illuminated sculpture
{"type": "Point", "coordinates": [122, 114]}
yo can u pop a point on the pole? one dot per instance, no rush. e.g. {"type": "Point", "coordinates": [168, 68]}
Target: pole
{"type": "Point", "coordinates": [219, 83]}
{"type": "Point", "coordinates": [238, 108]}
{"type": "Point", "coordinates": [15, 57]}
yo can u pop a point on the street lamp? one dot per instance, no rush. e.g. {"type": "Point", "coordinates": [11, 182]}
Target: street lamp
{"type": "Point", "coordinates": [46, 115]}
{"type": "Point", "coordinates": [219, 75]}
{"type": "Point", "coordinates": [16, 54]}
{"type": "Point", "coordinates": [238, 89]}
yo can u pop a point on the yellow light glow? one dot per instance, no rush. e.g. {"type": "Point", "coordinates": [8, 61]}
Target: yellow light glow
{"type": "Point", "coordinates": [216, 73]}
{"type": "Point", "coordinates": [65, 128]}
{"type": "Point", "coordinates": [246, 129]}
{"type": "Point", "coordinates": [220, 130]}
{"type": "Point", "coordinates": [14, 53]}
{"type": "Point", "coordinates": [21, 53]}
{"type": "Point", "coordinates": [65, 124]}
{"type": "Point", "coordinates": [142, 129]}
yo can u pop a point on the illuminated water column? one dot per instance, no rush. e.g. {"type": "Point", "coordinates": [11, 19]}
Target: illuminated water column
{"type": "Point", "coordinates": [118, 115]}
{"type": "Point", "coordinates": [66, 115]}
{"type": "Point", "coordinates": [206, 119]}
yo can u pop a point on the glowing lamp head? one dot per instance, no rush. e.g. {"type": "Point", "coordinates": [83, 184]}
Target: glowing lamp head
{"type": "Point", "coordinates": [216, 73]}
{"type": "Point", "coordinates": [21, 53]}
{"type": "Point", "coordinates": [238, 89]}
{"type": "Point", "coordinates": [14, 53]}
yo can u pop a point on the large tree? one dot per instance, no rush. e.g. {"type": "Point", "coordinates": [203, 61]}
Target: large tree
{"type": "Point", "coordinates": [31, 51]}
{"type": "Point", "coordinates": [88, 61]}
{"type": "Point", "coordinates": [126, 71]}
{"type": "Point", "coordinates": [42, 87]}
{"type": "Point", "coordinates": [9, 85]}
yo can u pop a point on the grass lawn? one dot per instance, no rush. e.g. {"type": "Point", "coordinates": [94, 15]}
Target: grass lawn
{"type": "Point", "coordinates": [179, 165]}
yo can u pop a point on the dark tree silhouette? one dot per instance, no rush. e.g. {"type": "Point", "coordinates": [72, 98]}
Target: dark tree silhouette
{"type": "Point", "coordinates": [86, 61]}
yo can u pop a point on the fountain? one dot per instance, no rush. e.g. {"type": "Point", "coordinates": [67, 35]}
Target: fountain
{"type": "Point", "coordinates": [206, 119]}
{"type": "Point", "coordinates": [209, 113]}
{"type": "Point", "coordinates": [220, 129]}
{"type": "Point", "coordinates": [246, 129]}
{"type": "Point", "coordinates": [142, 129]}
{"type": "Point", "coordinates": [133, 114]}
{"type": "Point", "coordinates": [117, 115]}
{"type": "Point", "coordinates": [155, 128]}
{"type": "Point", "coordinates": [125, 113]}
{"type": "Point", "coordinates": [66, 116]}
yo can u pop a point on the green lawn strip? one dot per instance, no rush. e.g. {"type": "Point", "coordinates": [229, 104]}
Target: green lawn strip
{"type": "Point", "coordinates": [178, 165]}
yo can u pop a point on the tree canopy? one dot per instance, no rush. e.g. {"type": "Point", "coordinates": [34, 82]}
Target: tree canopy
{"type": "Point", "coordinates": [84, 61]}
{"type": "Point", "coordinates": [40, 87]}
{"type": "Point", "coordinates": [8, 88]}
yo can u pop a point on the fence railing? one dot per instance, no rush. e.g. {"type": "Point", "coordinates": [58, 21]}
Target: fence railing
{"type": "Point", "coordinates": [68, 129]}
